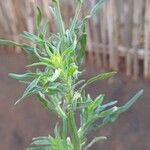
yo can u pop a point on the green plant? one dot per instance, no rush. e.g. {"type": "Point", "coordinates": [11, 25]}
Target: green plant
{"type": "Point", "coordinates": [57, 86]}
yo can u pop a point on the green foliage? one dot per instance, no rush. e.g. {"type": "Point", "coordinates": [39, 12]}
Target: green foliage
{"type": "Point", "coordinates": [57, 85]}
{"type": "Point", "coordinates": [38, 18]}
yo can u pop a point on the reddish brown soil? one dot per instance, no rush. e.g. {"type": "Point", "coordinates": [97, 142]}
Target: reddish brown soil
{"type": "Point", "coordinates": [18, 124]}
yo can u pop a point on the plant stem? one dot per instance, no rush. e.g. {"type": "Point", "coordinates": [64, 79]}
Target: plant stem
{"type": "Point", "coordinates": [70, 122]}
{"type": "Point", "coordinates": [74, 130]}
{"type": "Point", "coordinates": [64, 121]}
{"type": "Point", "coordinates": [71, 119]}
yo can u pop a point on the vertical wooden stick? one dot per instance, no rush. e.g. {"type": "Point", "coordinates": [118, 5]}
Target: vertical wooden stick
{"type": "Point", "coordinates": [147, 40]}
{"type": "Point", "coordinates": [137, 29]}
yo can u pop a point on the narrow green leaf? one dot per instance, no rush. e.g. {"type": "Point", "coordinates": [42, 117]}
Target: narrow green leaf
{"type": "Point", "coordinates": [82, 105]}
{"type": "Point", "coordinates": [34, 91]}
{"type": "Point", "coordinates": [110, 118]}
{"type": "Point", "coordinates": [76, 16]}
{"type": "Point", "coordinates": [78, 83]}
{"type": "Point", "coordinates": [46, 103]}
{"type": "Point", "coordinates": [131, 101]}
{"type": "Point", "coordinates": [42, 59]}
{"type": "Point", "coordinates": [8, 42]}
{"type": "Point", "coordinates": [55, 75]}
{"type": "Point", "coordinates": [81, 51]}
{"type": "Point", "coordinates": [40, 64]}
{"type": "Point", "coordinates": [95, 140]}
{"type": "Point", "coordinates": [30, 36]}
{"type": "Point", "coordinates": [38, 18]}
{"type": "Point", "coordinates": [103, 107]}
{"type": "Point", "coordinates": [67, 53]}
{"type": "Point", "coordinates": [27, 48]}
{"type": "Point", "coordinates": [93, 12]}
{"type": "Point", "coordinates": [48, 50]}
{"type": "Point", "coordinates": [97, 102]}
{"type": "Point", "coordinates": [108, 112]}
{"type": "Point", "coordinates": [31, 86]}
{"type": "Point", "coordinates": [40, 138]}
{"type": "Point", "coordinates": [22, 77]}
{"type": "Point", "coordinates": [102, 76]}
{"type": "Point", "coordinates": [58, 17]}
{"type": "Point", "coordinates": [60, 111]}
{"type": "Point", "coordinates": [97, 7]}
{"type": "Point", "coordinates": [57, 130]}
{"type": "Point", "coordinates": [100, 98]}
{"type": "Point", "coordinates": [29, 90]}
{"type": "Point", "coordinates": [35, 148]}
{"type": "Point", "coordinates": [43, 142]}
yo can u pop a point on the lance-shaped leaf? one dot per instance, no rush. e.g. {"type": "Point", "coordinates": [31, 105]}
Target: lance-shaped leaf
{"type": "Point", "coordinates": [40, 64]}
{"type": "Point", "coordinates": [103, 107]}
{"type": "Point", "coordinates": [55, 75]}
{"type": "Point", "coordinates": [116, 111]}
{"type": "Point", "coordinates": [93, 12]}
{"type": "Point", "coordinates": [27, 48]}
{"type": "Point", "coordinates": [42, 59]}
{"type": "Point", "coordinates": [41, 142]}
{"type": "Point", "coordinates": [97, 102]}
{"type": "Point", "coordinates": [108, 112]}
{"type": "Point", "coordinates": [113, 113]}
{"type": "Point", "coordinates": [82, 105]}
{"type": "Point", "coordinates": [76, 16]}
{"type": "Point", "coordinates": [23, 77]}
{"type": "Point", "coordinates": [30, 90]}
{"type": "Point", "coordinates": [131, 101]}
{"type": "Point", "coordinates": [8, 42]}
{"type": "Point", "coordinates": [78, 83]}
{"type": "Point", "coordinates": [96, 8]}
{"type": "Point", "coordinates": [101, 76]}
{"type": "Point", "coordinates": [81, 51]}
{"type": "Point", "coordinates": [38, 18]}
{"type": "Point", "coordinates": [47, 48]}
{"type": "Point", "coordinates": [46, 103]}
{"type": "Point", "coordinates": [35, 148]}
{"type": "Point", "coordinates": [58, 17]}
{"type": "Point", "coordinates": [95, 140]}
{"type": "Point", "coordinates": [30, 36]}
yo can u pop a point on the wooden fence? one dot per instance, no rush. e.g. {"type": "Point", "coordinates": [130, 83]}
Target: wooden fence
{"type": "Point", "coordinates": [119, 35]}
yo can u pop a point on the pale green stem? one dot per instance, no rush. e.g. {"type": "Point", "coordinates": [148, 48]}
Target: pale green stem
{"type": "Point", "coordinates": [74, 130]}
{"type": "Point", "coordinates": [71, 122]}
{"type": "Point", "coordinates": [65, 130]}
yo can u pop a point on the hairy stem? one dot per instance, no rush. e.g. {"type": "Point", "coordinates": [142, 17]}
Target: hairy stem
{"type": "Point", "coordinates": [74, 130]}
{"type": "Point", "coordinates": [65, 130]}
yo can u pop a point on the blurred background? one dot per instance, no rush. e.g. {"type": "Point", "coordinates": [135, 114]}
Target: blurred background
{"type": "Point", "coordinates": [118, 39]}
